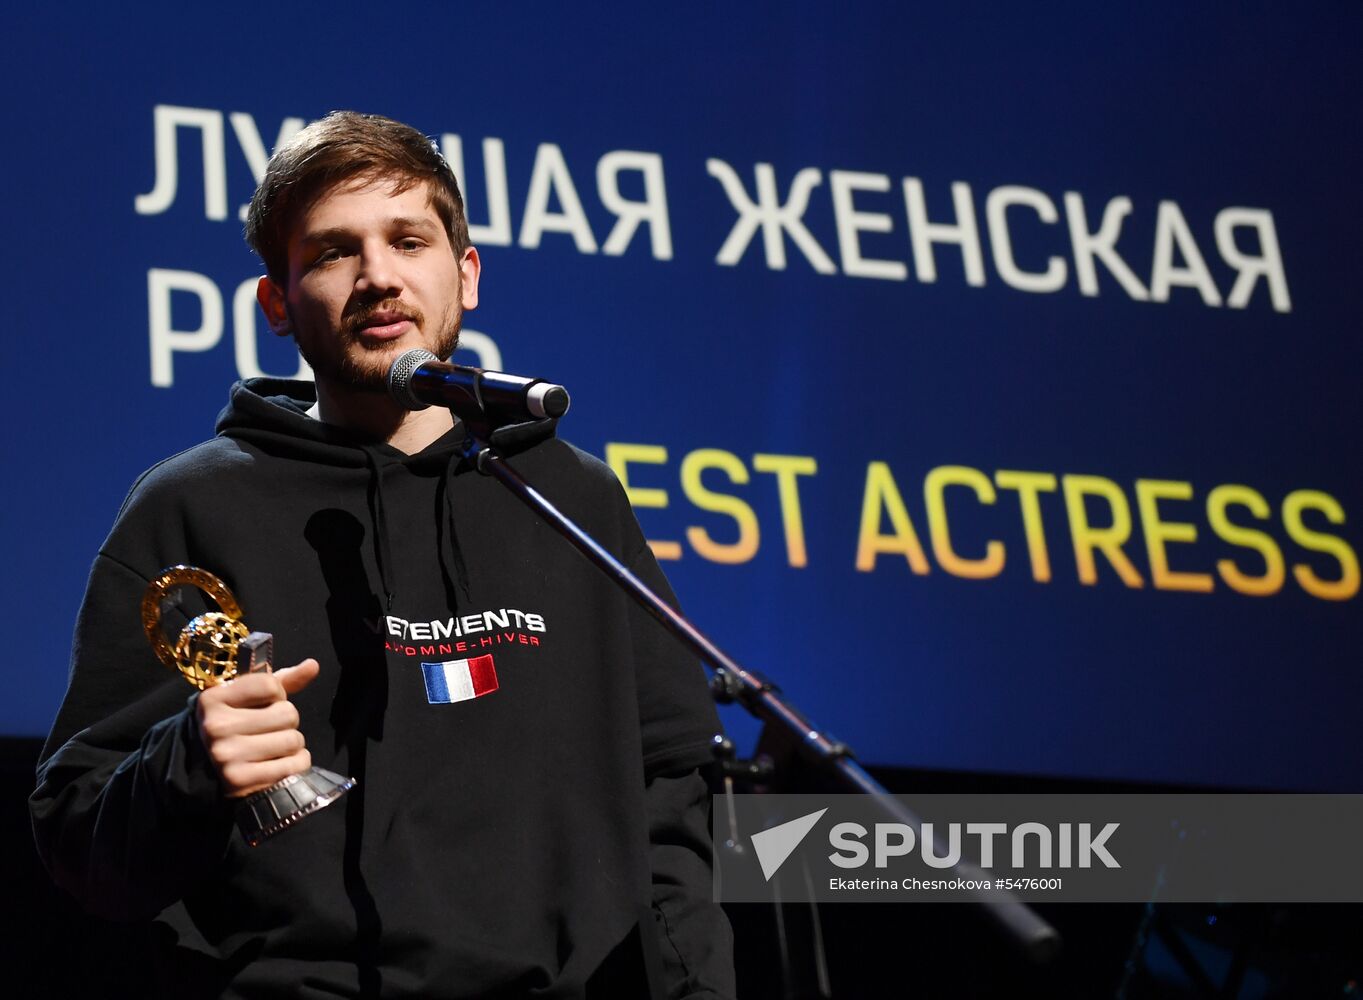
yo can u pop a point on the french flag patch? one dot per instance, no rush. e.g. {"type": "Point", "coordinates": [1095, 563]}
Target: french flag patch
{"type": "Point", "coordinates": [459, 680]}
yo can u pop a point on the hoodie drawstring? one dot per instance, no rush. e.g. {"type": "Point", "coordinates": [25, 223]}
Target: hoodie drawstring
{"type": "Point", "coordinates": [383, 551]}
{"type": "Point", "coordinates": [460, 570]}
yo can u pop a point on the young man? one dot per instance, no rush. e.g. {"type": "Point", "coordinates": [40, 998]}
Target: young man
{"type": "Point", "coordinates": [543, 834]}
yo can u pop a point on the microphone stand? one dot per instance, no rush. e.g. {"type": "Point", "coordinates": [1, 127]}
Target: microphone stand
{"type": "Point", "coordinates": [1034, 936]}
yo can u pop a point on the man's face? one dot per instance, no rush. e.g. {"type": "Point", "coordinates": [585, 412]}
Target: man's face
{"type": "Point", "coordinates": [371, 275]}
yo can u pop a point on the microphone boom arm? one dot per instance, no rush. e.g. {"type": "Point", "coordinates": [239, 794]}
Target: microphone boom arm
{"type": "Point", "coordinates": [1037, 938]}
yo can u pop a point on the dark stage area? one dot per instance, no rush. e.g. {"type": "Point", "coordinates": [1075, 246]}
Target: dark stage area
{"type": "Point", "coordinates": [871, 950]}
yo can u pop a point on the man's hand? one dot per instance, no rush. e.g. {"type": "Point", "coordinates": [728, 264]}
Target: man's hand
{"type": "Point", "coordinates": [251, 731]}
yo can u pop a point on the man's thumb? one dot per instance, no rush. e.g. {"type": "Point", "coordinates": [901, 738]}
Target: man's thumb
{"type": "Point", "coordinates": [299, 676]}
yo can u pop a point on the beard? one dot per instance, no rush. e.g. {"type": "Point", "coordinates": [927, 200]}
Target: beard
{"type": "Point", "coordinates": [357, 366]}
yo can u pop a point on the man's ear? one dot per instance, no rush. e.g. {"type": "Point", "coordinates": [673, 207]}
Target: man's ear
{"type": "Point", "coordinates": [470, 267]}
{"type": "Point", "coordinates": [271, 299]}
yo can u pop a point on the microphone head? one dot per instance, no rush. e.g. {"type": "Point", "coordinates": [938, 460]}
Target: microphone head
{"type": "Point", "coordinates": [400, 378]}
{"type": "Point", "coordinates": [546, 400]}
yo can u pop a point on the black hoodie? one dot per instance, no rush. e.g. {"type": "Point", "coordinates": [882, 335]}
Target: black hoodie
{"type": "Point", "coordinates": [498, 845]}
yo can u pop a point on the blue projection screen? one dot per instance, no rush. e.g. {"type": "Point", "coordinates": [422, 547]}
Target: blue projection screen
{"type": "Point", "coordinates": [989, 377]}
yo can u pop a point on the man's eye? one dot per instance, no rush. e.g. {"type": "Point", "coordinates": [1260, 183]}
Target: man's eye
{"type": "Point", "coordinates": [411, 243]}
{"type": "Point", "coordinates": [327, 256]}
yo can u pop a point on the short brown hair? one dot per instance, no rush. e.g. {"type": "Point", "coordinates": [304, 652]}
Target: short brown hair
{"type": "Point", "coordinates": [344, 145]}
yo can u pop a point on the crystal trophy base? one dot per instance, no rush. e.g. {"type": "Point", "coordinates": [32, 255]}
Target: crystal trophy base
{"type": "Point", "coordinates": [270, 810]}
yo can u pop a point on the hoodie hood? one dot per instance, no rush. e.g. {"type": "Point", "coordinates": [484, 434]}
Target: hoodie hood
{"type": "Point", "coordinates": [272, 414]}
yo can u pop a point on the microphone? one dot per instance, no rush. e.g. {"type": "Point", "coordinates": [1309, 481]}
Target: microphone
{"type": "Point", "coordinates": [419, 379]}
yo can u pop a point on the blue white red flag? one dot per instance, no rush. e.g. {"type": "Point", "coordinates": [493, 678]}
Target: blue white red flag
{"type": "Point", "coordinates": [459, 680]}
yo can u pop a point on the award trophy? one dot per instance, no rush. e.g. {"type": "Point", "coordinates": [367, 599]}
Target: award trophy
{"type": "Point", "coordinates": [212, 649]}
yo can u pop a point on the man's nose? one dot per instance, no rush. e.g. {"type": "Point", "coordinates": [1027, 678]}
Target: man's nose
{"type": "Point", "coordinates": [378, 274]}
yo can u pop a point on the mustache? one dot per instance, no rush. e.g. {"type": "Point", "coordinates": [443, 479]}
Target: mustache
{"type": "Point", "coordinates": [363, 313]}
